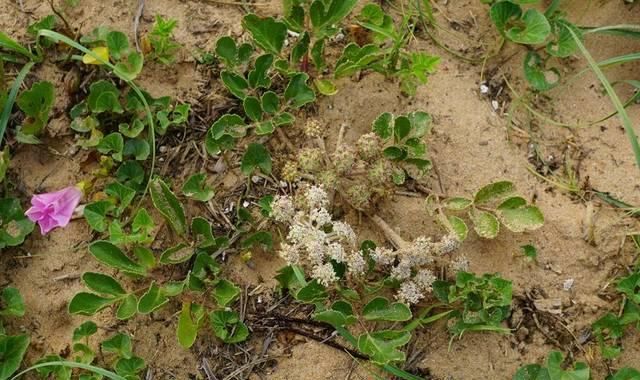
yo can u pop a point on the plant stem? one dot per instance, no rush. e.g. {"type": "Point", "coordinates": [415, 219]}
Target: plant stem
{"type": "Point", "coordinates": [8, 105]}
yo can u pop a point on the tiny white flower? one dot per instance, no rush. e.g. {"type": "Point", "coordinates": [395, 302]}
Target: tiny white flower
{"type": "Point", "coordinates": [324, 274]}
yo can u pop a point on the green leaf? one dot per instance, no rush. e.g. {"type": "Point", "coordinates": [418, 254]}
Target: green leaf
{"type": "Point", "coordinates": [189, 322]}
{"type": "Point", "coordinates": [520, 218]}
{"type": "Point", "coordinates": [459, 227]}
{"type": "Point", "coordinates": [235, 83]}
{"type": "Point", "coordinates": [380, 309]}
{"type": "Point", "coordinates": [85, 330]}
{"type": "Point", "coordinates": [382, 125]}
{"type": "Point", "coordinates": [138, 148]}
{"type": "Point", "coordinates": [301, 48]}
{"type": "Point", "coordinates": [118, 44]}
{"type": "Point", "coordinates": [225, 292]}
{"type": "Point", "coordinates": [532, 372]}
{"type": "Point", "coordinates": [103, 284]}
{"type": "Point", "coordinates": [197, 188]}
{"type": "Point", "coordinates": [36, 103]}
{"type": "Point", "coordinates": [484, 223]}
{"type": "Point", "coordinates": [325, 87]}
{"type": "Point", "coordinates": [564, 45]}
{"type": "Point", "coordinates": [457, 203]}
{"type": "Point", "coordinates": [554, 365]}
{"type": "Point", "coordinates": [104, 96]}
{"type": "Point", "coordinates": [298, 93]}
{"type": "Point", "coordinates": [227, 50]}
{"type": "Point", "coordinates": [228, 327]}
{"type": "Point", "coordinates": [130, 367]}
{"type": "Point", "coordinates": [96, 214]}
{"type": "Point", "coordinates": [267, 33]}
{"type": "Point", "coordinates": [15, 226]}
{"type": "Point", "coordinates": [252, 108]}
{"type": "Point", "coordinates": [48, 22]}
{"type": "Point", "coordinates": [530, 251]}
{"type": "Point", "coordinates": [323, 20]}
{"type": "Point", "coordinates": [122, 193]}
{"type": "Point", "coordinates": [120, 344]}
{"type": "Point", "coordinates": [12, 350]}
{"type": "Point", "coordinates": [381, 346]}
{"type": "Point", "coordinates": [503, 13]}
{"type": "Point", "coordinates": [311, 293]}
{"type": "Point", "coordinates": [258, 77]}
{"type": "Point", "coordinates": [12, 303]}
{"type": "Point", "coordinates": [176, 254]}
{"type": "Point", "coordinates": [112, 142]}
{"type": "Point", "coordinates": [270, 102]}
{"type": "Point", "coordinates": [88, 303]}
{"type": "Point", "coordinates": [537, 75]}
{"type": "Point", "coordinates": [626, 374]}
{"type": "Point", "coordinates": [128, 307]}
{"type": "Point", "coordinates": [112, 256]}
{"type": "Point", "coordinates": [317, 54]}
{"type": "Point", "coordinates": [259, 238]}
{"type": "Point", "coordinates": [168, 205]}
{"type": "Point", "coordinates": [129, 68]}
{"type": "Point", "coordinates": [152, 300]}
{"type": "Point", "coordinates": [493, 192]}
{"type": "Point", "coordinates": [256, 157]}
{"type": "Point", "coordinates": [532, 28]}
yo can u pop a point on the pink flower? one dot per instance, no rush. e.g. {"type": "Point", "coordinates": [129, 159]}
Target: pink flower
{"type": "Point", "coordinates": [51, 210]}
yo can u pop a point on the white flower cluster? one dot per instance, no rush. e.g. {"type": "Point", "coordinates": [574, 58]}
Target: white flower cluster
{"type": "Point", "coordinates": [314, 238]}
{"type": "Point", "coordinates": [410, 265]}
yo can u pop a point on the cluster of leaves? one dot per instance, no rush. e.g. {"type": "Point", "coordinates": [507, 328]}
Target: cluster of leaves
{"type": "Point", "coordinates": [471, 303]}
{"type": "Point", "coordinates": [160, 40]}
{"type": "Point", "coordinates": [555, 370]}
{"type": "Point", "coordinates": [198, 246]}
{"type": "Point", "coordinates": [117, 353]}
{"type": "Point", "coordinates": [388, 52]}
{"type": "Point", "coordinates": [12, 347]}
{"type": "Point", "coordinates": [14, 225]}
{"type": "Point", "coordinates": [533, 27]}
{"type": "Point", "coordinates": [482, 302]}
{"type": "Point", "coordinates": [492, 205]}
{"type": "Point", "coordinates": [112, 47]}
{"type": "Point", "coordinates": [610, 328]}
{"type": "Point", "coordinates": [403, 143]}
{"type": "Point", "coordinates": [252, 81]}
{"type": "Point", "coordinates": [115, 123]}
{"type": "Point", "coordinates": [36, 104]}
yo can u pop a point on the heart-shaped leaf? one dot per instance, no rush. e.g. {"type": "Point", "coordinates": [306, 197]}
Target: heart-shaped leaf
{"type": "Point", "coordinates": [380, 309]}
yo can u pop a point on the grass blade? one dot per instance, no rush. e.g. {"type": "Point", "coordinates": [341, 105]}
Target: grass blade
{"type": "Point", "coordinates": [88, 367]}
{"type": "Point", "coordinates": [622, 113]}
{"type": "Point", "coordinates": [625, 30]}
{"type": "Point", "coordinates": [8, 105]}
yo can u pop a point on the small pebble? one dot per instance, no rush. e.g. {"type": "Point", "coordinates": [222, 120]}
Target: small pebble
{"type": "Point", "coordinates": [256, 179]}
{"type": "Point", "coordinates": [568, 284]}
{"type": "Point", "coordinates": [484, 89]}
{"type": "Point", "coordinates": [495, 105]}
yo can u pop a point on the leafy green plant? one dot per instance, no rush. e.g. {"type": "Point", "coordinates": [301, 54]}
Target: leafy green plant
{"type": "Point", "coordinates": [109, 46]}
{"type": "Point", "coordinates": [555, 370]}
{"type": "Point", "coordinates": [610, 328]}
{"type": "Point", "coordinates": [128, 251]}
{"type": "Point", "coordinates": [163, 46]}
{"type": "Point", "coordinates": [116, 353]}
{"type": "Point", "coordinates": [12, 347]}
{"type": "Point", "coordinates": [36, 104]}
{"type": "Point", "coordinates": [493, 205]}
{"type": "Point", "coordinates": [480, 303]}
{"type": "Point", "coordinates": [14, 225]}
{"type": "Point", "coordinates": [388, 53]}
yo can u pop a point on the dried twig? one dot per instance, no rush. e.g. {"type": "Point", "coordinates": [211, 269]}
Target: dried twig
{"type": "Point", "coordinates": [136, 23]}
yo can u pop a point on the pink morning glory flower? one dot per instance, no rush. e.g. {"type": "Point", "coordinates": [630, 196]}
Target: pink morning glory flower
{"type": "Point", "coordinates": [51, 210]}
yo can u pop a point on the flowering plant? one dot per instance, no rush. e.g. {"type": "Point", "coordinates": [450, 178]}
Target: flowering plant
{"type": "Point", "coordinates": [51, 210]}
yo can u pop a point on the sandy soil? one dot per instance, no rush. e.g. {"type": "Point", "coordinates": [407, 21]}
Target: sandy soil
{"type": "Point", "coordinates": [472, 144]}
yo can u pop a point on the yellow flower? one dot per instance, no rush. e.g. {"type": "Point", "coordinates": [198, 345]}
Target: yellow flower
{"type": "Point", "coordinates": [101, 51]}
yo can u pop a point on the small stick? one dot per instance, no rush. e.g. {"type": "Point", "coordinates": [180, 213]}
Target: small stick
{"type": "Point", "coordinates": [136, 23]}
{"type": "Point", "coordinates": [389, 233]}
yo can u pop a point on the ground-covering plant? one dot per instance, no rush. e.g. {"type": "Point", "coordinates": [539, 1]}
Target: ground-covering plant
{"type": "Point", "coordinates": [493, 205]}
{"type": "Point", "coordinates": [363, 174]}
{"type": "Point", "coordinates": [116, 353]}
{"type": "Point", "coordinates": [159, 42]}
{"type": "Point", "coordinates": [610, 328]}
{"type": "Point", "coordinates": [348, 283]}
{"type": "Point", "coordinates": [554, 369]}
{"type": "Point", "coordinates": [128, 251]}
{"type": "Point", "coordinates": [12, 347]}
